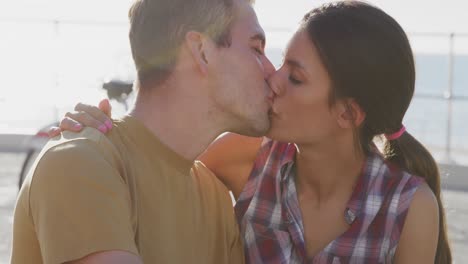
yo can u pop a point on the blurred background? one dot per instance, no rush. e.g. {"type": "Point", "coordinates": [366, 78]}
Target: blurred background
{"type": "Point", "coordinates": [55, 53]}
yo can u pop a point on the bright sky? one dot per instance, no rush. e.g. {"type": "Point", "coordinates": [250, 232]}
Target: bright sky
{"type": "Point", "coordinates": [42, 65]}
{"type": "Point", "coordinates": [414, 15]}
{"type": "Point", "coordinates": [442, 16]}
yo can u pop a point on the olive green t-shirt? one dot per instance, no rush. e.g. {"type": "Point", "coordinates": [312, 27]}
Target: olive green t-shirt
{"type": "Point", "coordinates": [126, 191]}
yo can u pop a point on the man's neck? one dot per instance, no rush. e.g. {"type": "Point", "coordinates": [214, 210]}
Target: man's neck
{"type": "Point", "coordinates": [183, 123]}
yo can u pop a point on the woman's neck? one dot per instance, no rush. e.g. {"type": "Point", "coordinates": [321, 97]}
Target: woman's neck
{"type": "Point", "coordinates": [328, 171]}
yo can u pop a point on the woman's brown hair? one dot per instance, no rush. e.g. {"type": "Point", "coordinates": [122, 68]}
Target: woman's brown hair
{"type": "Point", "coordinates": [369, 59]}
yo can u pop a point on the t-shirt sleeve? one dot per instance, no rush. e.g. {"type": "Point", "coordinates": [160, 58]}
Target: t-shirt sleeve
{"type": "Point", "coordinates": [80, 204]}
{"type": "Point", "coordinates": [237, 249]}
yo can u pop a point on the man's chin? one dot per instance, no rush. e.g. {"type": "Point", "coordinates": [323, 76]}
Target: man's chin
{"type": "Point", "coordinates": [259, 128]}
{"type": "Point", "coordinates": [253, 125]}
{"type": "Point", "coordinates": [260, 131]}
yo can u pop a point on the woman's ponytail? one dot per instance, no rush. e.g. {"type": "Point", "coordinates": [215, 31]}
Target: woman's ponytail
{"type": "Point", "coordinates": [412, 156]}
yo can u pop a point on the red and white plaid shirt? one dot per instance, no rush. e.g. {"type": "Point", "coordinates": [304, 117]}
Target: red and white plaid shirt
{"type": "Point", "coordinates": [270, 218]}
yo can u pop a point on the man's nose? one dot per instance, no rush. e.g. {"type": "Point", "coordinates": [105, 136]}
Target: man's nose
{"type": "Point", "coordinates": [275, 84]}
{"type": "Point", "coordinates": [268, 67]}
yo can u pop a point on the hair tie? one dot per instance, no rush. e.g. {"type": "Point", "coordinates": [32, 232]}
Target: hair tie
{"type": "Point", "coordinates": [397, 134]}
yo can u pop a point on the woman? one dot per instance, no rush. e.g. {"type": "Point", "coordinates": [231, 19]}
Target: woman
{"type": "Point", "coordinates": [330, 196]}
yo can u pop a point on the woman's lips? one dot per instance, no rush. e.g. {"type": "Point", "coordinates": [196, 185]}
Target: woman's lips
{"type": "Point", "coordinates": [273, 111]}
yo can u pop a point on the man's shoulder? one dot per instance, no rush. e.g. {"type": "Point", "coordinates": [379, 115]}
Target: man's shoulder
{"type": "Point", "coordinates": [89, 137]}
{"type": "Point", "coordinates": [199, 169]}
{"type": "Point", "coordinates": [73, 158]}
{"type": "Point", "coordinates": [207, 178]}
{"type": "Point", "coordinates": [77, 194]}
{"type": "Point", "coordinates": [87, 143]}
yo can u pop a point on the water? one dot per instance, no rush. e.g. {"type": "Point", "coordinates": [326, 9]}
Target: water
{"type": "Point", "coordinates": [47, 68]}
{"type": "Point", "coordinates": [427, 116]}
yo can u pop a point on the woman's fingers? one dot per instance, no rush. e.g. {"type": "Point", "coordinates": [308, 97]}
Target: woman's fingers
{"type": "Point", "coordinates": [106, 107]}
{"type": "Point", "coordinates": [54, 131]}
{"type": "Point", "coordinates": [74, 121]}
{"type": "Point", "coordinates": [92, 113]}
{"type": "Point", "coordinates": [85, 115]}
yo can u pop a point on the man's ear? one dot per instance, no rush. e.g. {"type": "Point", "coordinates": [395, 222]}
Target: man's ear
{"type": "Point", "coordinates": [350, 113]}
{"type": "Point", "coordinates": [197, 45]}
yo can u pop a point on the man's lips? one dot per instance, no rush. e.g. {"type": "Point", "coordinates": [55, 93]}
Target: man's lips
{"type": "Point", "coordinates": [272, 111]}
{"type": "Point", "coordinates": [270, 100]}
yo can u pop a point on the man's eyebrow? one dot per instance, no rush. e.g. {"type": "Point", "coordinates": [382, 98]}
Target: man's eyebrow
{"type": "Point", "coordinates": [259, 37]}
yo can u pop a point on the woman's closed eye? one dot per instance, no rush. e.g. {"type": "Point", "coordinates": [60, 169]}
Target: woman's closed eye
{"type": "Point", "coordinates": [294, 80]}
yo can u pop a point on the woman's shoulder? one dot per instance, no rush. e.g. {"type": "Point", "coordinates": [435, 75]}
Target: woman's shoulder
{"type": "Point", "coordinates": [275, 151]}
{"type": "Point", "coordinates": [392, 177]}
{"type": "Point", "coordinates": [396, 186]}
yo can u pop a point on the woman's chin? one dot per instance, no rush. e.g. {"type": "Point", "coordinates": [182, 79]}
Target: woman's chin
{"type": "Point", "coordinates": [277, 132]}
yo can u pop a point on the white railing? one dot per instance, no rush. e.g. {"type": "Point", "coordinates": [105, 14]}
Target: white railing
{"type": "Point", "coordinates": [452, 146]}
{"type": "Point", "coordinates": [452, 150]}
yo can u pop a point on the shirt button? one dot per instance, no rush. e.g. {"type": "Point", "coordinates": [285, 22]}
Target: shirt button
{"type": "Point", "coordinates": [349, 216]}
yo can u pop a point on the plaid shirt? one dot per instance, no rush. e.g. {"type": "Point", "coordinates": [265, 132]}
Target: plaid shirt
{"type": "Point", "coordinates": [270, 218]}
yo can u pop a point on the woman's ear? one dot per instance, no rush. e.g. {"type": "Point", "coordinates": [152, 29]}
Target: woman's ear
{"type": "Point", "coordinates": [197, 45]}
{"type": "Point", "coordinates": [350, 113]}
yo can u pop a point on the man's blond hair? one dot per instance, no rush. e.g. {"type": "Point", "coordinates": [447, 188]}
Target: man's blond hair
{"type": "Point", "coordinates": [158, 28]}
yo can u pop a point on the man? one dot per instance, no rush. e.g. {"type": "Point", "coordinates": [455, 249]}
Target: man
{"type": "Point", "coordinates": [132, 196]}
